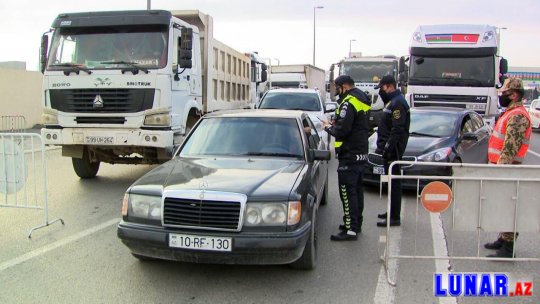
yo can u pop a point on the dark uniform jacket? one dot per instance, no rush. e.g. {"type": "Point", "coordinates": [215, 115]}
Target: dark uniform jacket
{"type": "Point", "coordinates": [351, 126]}
{"type": "Point", "coordinates": [393, 130]}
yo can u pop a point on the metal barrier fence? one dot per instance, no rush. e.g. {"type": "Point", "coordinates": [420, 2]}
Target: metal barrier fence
{"type": "Point", "coordinates": [12, 124]}
{"type": "Point", "coordinates": [481, 198]}
{"type": "Point", "coordinates": [23, 174]}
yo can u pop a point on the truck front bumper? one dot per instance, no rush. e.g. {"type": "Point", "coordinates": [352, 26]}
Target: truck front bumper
{"type": "Point", "coordinates": [108, 137]}
{"type": "Point", "coordinates": [247, 247]}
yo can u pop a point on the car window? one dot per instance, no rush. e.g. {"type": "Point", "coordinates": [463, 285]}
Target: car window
{"type": "Point", "coordinates": [291, 101]}
{"type": "Point", "coordinates": [467, 125]}
{"type": "Point", "coordinates": [313, 137]}
{"type": "Point", "coordinates": [478, 121]}
{"type": "Point", "coordinates": [432, 123]}
{"type": "Point", "coordinates": [235, 136]}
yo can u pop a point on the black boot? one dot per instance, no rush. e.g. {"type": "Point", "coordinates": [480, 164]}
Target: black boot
{"type": "Point", "coordinates": [344, 236]}
{"type": "Point", "coordinates": [494, 245]}
{"type": "Point", "coordinates": [505, 251]}
{"type": "Point", "coordinates": [343, 228]}
{"type": "Point", "coordinates": [382, 215]}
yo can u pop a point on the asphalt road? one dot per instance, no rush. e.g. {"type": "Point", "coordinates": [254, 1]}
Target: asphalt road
{"type": "Point", "coordinates": [84, 262]}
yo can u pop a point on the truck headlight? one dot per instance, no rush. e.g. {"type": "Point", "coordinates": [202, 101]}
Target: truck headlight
{"type": "Point", "coordinates": [161, 119]}
{"type": "Point", "coordinates": [143, 207]}
{"type": "Point", "coordinates": [49, 117]}
{"type": "Point", "coordinates": [265, 214]}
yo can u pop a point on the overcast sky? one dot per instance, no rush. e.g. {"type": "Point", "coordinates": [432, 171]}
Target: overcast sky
{"type": "Point", "coordinates": [283, 29]}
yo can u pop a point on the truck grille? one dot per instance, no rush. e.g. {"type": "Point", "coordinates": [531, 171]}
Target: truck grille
{"type": "Point", "coordinates": [101, 120]}
{"type": "Point", "coordinates": [201, 213]}
{"type": "Point", "coordinates": [102, 100]}
{"type": "Point", "coordinates": [476, 103]}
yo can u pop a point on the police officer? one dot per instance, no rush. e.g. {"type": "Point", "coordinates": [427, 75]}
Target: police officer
{"type": "Point", "coordinates": [392, 137]}
{"type": "Point", "coordinates": [509, 144]}
{"type": "Point", "coordinates": [350, 130]}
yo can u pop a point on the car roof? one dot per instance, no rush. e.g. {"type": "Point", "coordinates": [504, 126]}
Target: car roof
{"type": "Point", "coordinates": [266, 113]}
{"type": "Point", "coordinates": [293, 90]}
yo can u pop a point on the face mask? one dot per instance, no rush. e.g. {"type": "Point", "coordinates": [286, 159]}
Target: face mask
{"type": "Point", "coordinates": [384, 96]}
{"type": "Point", "coordinates": [504, 100]}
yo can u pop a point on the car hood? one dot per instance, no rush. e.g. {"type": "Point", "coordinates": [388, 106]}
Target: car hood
{"type": "Point", "coordinates": [260, 178]}
{"type": "Point", "coordinates": [418, 145]}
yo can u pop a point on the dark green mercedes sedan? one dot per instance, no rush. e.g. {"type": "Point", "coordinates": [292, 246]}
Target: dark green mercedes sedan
{"type": "Point", "coordinates": [243, 188]}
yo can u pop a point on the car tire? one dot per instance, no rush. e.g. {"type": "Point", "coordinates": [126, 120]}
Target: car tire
{"type": "Point", "coordinates": [142, 258]}
{"type": "Point", "coordinates": [83, 167]}
{"type": "Point", "coordinates": [308, 260]}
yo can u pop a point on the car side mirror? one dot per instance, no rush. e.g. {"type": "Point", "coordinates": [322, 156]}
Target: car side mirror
{"type": "Point", "coordinates": [329, 107]}
{"type": "Point", "coordinates": [319, 155]}
{"type": "Point", "coordinates": [470, 136]}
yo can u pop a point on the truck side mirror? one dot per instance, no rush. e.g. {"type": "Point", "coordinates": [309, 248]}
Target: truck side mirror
{"type": "Point", "coordinates": [503, 66]}
{"type": "Point", "coordinates": [43, 52]}
{"type": "Point", "coordinates": [264, 75]}
{"type": "Point", "coordinates": [264, 67]}
{"type": "Point", "coordinates": [185, 49]}
{"type": "Point", "coordinates": [402, 65]}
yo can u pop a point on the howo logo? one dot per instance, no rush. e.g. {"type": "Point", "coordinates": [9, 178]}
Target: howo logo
{"type": "Point", "coordinates": [102, 82]}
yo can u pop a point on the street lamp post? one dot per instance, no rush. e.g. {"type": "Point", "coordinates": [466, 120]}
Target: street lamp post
{"type": "Point", "coordinates": [148, 4]}
{"type": "Point", "coordinates": [314, 9]}
{"type": "Point", "coordinates": [350, 45]}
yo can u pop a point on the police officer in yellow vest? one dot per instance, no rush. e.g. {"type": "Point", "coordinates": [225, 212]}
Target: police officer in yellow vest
{"type": "Point", "coordinates": [350, 130]}
{"type": "Point", "coordinates": [509, 144]}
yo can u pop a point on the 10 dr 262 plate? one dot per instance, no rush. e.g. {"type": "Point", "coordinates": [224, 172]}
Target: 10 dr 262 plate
{"type": "Point", "coordinates": [199, 242]}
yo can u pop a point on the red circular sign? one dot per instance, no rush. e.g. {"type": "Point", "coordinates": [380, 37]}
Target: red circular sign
{"type": "Point", "coordinates": [436, 197]}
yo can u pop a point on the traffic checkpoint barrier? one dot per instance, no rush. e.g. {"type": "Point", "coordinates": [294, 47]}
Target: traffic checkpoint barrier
{"type": "Point", "coordinates": [12, 124]}
{"type": "Point", "coordinates": [23, 174]}
{"type": "Point", "coordinates": [481, 198]}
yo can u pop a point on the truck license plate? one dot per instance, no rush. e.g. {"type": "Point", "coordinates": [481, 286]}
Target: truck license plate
{"type": "Point", "coordinates": [198, 242]}
{"type": "Point", "coordinates": [99, 140]}
{"type": "Point", "coordinates": [378, 170]}
{"type": "Point", "coordinates": [475, 107]}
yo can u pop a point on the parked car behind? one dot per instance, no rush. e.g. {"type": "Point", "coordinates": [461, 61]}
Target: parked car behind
{"type": "Point", "coordinates": [534, 112]}
{"type": "Point", "coordinates": [307, 100]}
{"type": "Point", "coordinates": [437, 134]}
{"type": "Point", "coordinates": [244, 188]}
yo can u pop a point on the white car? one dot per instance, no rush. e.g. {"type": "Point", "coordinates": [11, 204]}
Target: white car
{"type": "Point", "coordinates": [534, 112]}
{"type": "Point", "coordinates": [307, 100]}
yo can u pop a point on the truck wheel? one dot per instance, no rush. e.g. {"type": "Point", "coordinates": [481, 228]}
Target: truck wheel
{"type": "Point", "coordinates": [84, 168]}
{"type": "Point", "coordinates": [308, 260]}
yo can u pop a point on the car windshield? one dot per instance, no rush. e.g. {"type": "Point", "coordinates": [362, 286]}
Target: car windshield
{"type": "Point", "coordinates": [291, 101]}
{"type": "Point", "coordinates": [432, 124]}
{"type": "Point", "coordinates": [109, 47]}
{"type": "Point", "coordinates": [241, 136]}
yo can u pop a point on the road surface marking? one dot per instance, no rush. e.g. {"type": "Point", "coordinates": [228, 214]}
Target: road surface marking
{"type": "Point", "coordinates": [533, 153]}
{"type": "Point", "coordinates": [385, 293]}
{"type": "Point", "coordinates": [70, 239]}
{"type": "Point", "coordinates": [440, 249]}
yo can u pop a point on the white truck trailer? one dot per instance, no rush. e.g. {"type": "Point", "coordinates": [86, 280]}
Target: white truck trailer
{"type": "Point", "coordinates": [125, 87]}
{"type": "Point", "coordinates": [456, 65]}
{"type": "Point", "coordinates": [297, 76]}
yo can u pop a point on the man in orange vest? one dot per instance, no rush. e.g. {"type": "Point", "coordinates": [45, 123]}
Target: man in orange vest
{"type": "Point", "coordinates": [508, 144]}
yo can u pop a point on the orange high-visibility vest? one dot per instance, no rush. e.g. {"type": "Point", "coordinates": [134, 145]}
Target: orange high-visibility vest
{"type": "Point", "coordinates": [496, 141]}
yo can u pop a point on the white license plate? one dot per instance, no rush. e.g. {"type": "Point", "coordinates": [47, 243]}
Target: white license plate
{"type": "Point", "coordinates": [378, 170]}
{"type": "Point", "coordinates": [475, 107]}
{"type": "Point", "coordinates": [100, 140]}
{"type": "Point", "coordinates": [198, 242]}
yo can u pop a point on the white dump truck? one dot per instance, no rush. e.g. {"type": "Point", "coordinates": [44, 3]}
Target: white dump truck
{"type": "Point", "coordinates": [304, 76]}
{"type": "Point", "coordinates": [456, 65]}
{"type": "Point", "coordinates": [125, 87]}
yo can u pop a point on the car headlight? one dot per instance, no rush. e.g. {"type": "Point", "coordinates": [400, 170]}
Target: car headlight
{"type": "Point", "coordinates": [161, 119]}
{"type": "Point", "coordinates": [270, 214]}
{"type": "Point", "coordinates": [437, 155]}
{"type": "Point", "coordinates": [142, 206]}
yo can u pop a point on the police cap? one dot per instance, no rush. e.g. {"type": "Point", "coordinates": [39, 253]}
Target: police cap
{"type": "Point", "coordinates": [344, 79]}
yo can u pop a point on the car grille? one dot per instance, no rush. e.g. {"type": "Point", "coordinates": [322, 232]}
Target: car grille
{"type": "Point", "coordinates": [201, 213]}
{"type": "Point", "coordinates": [113, 100]}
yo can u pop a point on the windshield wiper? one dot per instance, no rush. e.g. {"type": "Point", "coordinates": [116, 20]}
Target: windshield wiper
{"type": "Point", "coordinates": [272, 154]}
{"type": "Point", "coordinates": [74, 68]}
{"type": "Point", "coordinates": [423, 134]}
{"type": "Point", "coordinates": [135, 66]}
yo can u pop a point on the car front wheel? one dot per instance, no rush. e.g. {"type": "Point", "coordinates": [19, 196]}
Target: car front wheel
{"type": "Point", "coordinates": [308, 260]}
